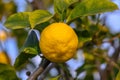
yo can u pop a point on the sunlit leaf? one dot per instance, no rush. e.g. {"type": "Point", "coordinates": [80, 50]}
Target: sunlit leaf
{"type": "Point", "coordinates": [89, 56]}
{"type": "Point", "coordinates": [118, 76]}
{"type": "Point", "coordinates": [4, 67]}
{"type": "Point", "coordinates": [55, 78]}
{"type": "Point", "coordinates": [61, 6]}
{"type": "Point", "coordinates": [18, 21]}
{"type": "Point", "coordinates": [39, 16]}
{"type": "Point", "coordinates": [69, 2]}
{"type": "Point", "coordinates": [10, 8]}
{"type": "Point", "coordinates": [7, 72]}
{"type": "Point", "coordinates": [91, 7]}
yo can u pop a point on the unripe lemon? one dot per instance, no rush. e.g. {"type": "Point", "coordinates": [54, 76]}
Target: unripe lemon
{"type": "Point", "coordinates": [58, 42]}
{"type": "Point", "coordinates": [4, 58]}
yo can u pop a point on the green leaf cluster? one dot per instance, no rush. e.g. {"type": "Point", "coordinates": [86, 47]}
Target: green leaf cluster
{"type": "Point", "coordinates": [61, 13]}
{"type": "Point", "coordinates": [90, 7]}
{"type": "Point", "coordinates": [29, 50]}
{"type": "Point", "coordinates": [27, 19]}
{"type": "Point", "coordinates": [7, 72]}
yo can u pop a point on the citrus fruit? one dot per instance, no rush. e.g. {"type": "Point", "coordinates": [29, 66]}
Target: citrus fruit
{"type": "Point", "coordinates": [4, 58]}
{"type": "Point", "coordinates": [58, 42]}
{"type": "Point", "coordinates": [3, 35]}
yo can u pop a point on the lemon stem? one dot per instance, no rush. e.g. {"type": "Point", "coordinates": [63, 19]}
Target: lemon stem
{"type": "Point", "coordinates": [39, 70]}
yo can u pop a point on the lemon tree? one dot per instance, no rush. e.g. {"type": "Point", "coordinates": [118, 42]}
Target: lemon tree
{"type": "Point", "coordinates": [57, 36]}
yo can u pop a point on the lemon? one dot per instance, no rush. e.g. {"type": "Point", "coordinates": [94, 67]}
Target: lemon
{"type": "Point", "coordinates": [58, 42]}
{"type": "Point", "coordinates": [3, 35]}
{"type": "Point", "coordinates": [4, 58]}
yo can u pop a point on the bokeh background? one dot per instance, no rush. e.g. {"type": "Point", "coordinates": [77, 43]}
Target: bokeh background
{"type": "Point", "coordinates": [11, 41]}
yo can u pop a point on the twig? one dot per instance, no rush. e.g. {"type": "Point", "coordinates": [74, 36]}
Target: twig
{"type": "Point", "coordinates": [64, 71]}
{"type": "Point", "coordinates": [37, 4]}
{"type": "Point", "coordinates": [98, 20]}
{"type": "Point", "coordinates": [108, 60]}
{"type": "Point", "coordinates": [39, 70]}
{"type": "Point", "coordinates": [112, 39]}
{"type": "Point", "coordinates": [44, 74]}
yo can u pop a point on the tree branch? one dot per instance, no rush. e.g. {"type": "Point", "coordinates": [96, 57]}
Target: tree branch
{"type": "Point", "coordinates": [46, 71]}
{"type": "Point", "coordinates": [39, 70]}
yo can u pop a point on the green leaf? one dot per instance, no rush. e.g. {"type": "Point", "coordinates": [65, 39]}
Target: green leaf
{"type": "Point", "coordinates": [91, 7]}
{"type": "Point", "coordinates": [29, 50]}
{"type": "Point", "coordinates": [22, 60]}
{"type": "Point", "coordinates": [83, 36]}
{"type": "Point", "coordinates": [70, 2]}
{"type": "Point", "coordinates": [7, 72]}
{"type": "Point", "coordinates": [55, 78]}
{"type": "Point", "coordinates": [89, 77]}
{"type": "Point", "coordinates": [31, 44]}
{"type": "Point", "coordinates": [60, 8]}
{"type": "Point", "coordinates": [118, 76]}
{"type": "Point", "coordinates": [39, 16]}
{"type": "Point", "coordinates": [20, 35]}
{"type": "Point", "coordinates": [6, 67]}
{"type": "Point", "coordinates": [18, 21]}
{"type": "Point", "coordinates": [85, 67]}
{"type": "Point", "coordinates": [41, 26]}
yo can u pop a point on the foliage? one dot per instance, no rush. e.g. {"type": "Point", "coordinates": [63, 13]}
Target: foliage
{"type": "Point", "coordinates": [83, 13]}
{"type": "Point", "coordinates": [5, 72]}
{"type": "Point", "coordinates": [29, 50]}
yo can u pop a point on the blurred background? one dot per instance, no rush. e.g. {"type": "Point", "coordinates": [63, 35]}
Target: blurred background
{"type": "Point", "coordinates": [12, 40]}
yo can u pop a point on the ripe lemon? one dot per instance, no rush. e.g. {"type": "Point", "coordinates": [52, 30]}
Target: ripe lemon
{"type": "Point", "coordinates": [3, 35]}
{"type": "Point", "coordinates": [58, 42]}
{"type": "Point", "coordinates": [4, 58]}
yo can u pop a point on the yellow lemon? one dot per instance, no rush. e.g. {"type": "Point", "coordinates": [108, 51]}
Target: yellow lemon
{"type": "Point", "coordinates": [58, 42]}
{"type": "Point", "coordinates": [4, 58]}
{"type": "Point", "coordinates": [3, 35]}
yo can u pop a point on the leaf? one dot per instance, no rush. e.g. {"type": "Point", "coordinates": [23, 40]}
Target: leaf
{"type": "Point", "coordinates": [56, 78]}
{"type": "Point", "coordinates": [89, 77]}
{"type": "Point", "coordinates": [18, 21]}
{"type": "Point", "coordinates": [91, 7]}
{"type": "Point", "coordinates": [41, 26]}
{"type": "Point", "coordinates": [118, 76]}
{"type": "Point", "coordinates": [70, 2]}
{"type": "Point", "coordinates": [31, 43]}
{"type": "Point", "coordinates": [22, 60]}
{"type": "Point", "coordinates": [5, 72]}
{"type": "Point", "coordinates": [83, 36]}
{"type": "Point", "coordinates": [85, 67]}
{"type": "Point", "coordinates": [6, 67]}
{"type": "Point", "coordinates": [60, 8]}
{"type": "Point", "coordinates": [29, 50]}
{"type": "Point", "coordinates": [20, 35]}
{"type": "Point", "coordinates": [39, 16]}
